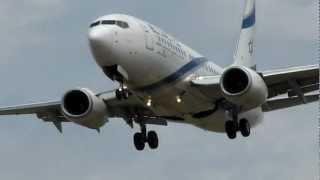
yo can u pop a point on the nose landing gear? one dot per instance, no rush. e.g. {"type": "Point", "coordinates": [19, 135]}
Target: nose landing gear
{"type": "Point", "coordinates": [122, 93]}
{"type": "Point", "coordinates": [117, 73]}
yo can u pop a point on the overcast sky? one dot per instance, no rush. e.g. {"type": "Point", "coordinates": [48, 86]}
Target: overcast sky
{"type": "Point", "coordinates": [44, 52]}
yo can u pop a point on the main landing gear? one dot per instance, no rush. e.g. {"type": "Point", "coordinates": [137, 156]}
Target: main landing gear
{"type": "Point", "coordinates": [141, 138]}
{"type": "Point", "coordinates": [234, 125]}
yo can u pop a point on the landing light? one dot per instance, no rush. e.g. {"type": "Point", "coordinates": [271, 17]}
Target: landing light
{"type": "Point", "coordinates": [178, 99]}
{"type": "Point", "coordinates": [149, 102]}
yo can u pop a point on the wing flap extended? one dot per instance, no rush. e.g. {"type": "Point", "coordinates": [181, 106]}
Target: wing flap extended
{"type": "Point", "coordinates": [53, 107]}
{"type": "Point", "coordinates": [51, 111]}
{"type": "Point", "coordinates": [281, 103]}
{"type": "Point", "coordinates": [278, 81]}
{"type": "Point", "coordinates": [294, 83]}
{"type": "Point", "coordinates": [305, 89]}
{"type": "Point", "coordinates": [47, 111]}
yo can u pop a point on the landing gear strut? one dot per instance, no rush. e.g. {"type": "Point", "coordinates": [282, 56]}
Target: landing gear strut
{"type": "Point", "coordinates": [122, 92]}
{"type": "Point", "coordinates": [141, 138]}
{"type": "Point", "coordinates": [234, 125]}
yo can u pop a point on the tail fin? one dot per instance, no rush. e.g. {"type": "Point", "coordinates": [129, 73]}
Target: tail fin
{"type": "Point", "coordinates": [244, 52]}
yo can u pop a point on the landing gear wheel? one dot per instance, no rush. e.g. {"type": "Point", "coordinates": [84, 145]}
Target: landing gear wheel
{"type": "Point", "coordinates": [143, 137]}
{"type": "Point", "coordinates": [139, 141]}
{"type": "Point", "coordinates": [153, 140]}
{"type": "Point", "coordinates": [244, 127]}
{"type": "Point", "coordinates": [231, 129]}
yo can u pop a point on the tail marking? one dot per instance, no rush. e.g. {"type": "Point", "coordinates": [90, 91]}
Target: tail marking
{"type": "Point", "coordinates": [249, 20]}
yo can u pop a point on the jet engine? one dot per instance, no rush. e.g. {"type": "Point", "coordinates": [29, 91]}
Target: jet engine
{"type": "Point", "coordinates": [83, 107]}
{"type": "Point", "coordinates": [244, 87]}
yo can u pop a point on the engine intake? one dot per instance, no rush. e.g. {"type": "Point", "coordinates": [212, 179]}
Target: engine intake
{"type": "Point", "coordinates": [83, 107]}
{"type": "Point", "coordinates": [235, 81]}
{"type": "Point", "coordinates": [76, 103]}
{"type": "Point", "coordinates": [244, 87]}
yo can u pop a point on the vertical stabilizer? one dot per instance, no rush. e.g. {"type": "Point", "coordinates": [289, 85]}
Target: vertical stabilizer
{"type": "Point", "coordinates": [245, 49]}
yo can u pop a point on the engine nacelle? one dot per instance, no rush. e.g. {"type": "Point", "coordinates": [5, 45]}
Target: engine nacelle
{"type": "Point", "coordinates": [83, 107]}
{"type": "Point", "coordinates": [244, 87]}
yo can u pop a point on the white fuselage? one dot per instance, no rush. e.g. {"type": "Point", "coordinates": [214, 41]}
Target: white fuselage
{"type": "Point", "coordinates": [156, 67]}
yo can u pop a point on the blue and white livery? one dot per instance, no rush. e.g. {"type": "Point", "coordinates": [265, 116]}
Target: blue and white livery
{"type": "Point", "coordinates": [162, 80]}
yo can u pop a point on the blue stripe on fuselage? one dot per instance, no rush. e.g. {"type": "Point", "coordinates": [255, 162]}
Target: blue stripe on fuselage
{"type": "Point", "coordinates": [183, 71]}
{"type": "Point", "coordinates": [250, 20]}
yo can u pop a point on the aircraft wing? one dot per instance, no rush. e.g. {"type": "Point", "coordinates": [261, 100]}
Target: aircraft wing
{"type": "Point", "coordinates": [51, 111]}
{"type": "Point", "coordinates": [281, 103]}
{"type": "Point", "coordinates": [297, 84]}
{"type": "Point", "coordinates": [291, 80]}
{"type": "Point", "coordinates": [52, 107]}
{"type": "Point", "coordinates": [208, 86]}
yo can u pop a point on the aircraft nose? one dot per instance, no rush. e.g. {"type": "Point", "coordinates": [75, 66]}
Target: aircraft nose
{"type": "Point", "coordinates": [101, 44]}
{"type": "Point", "coordinates": [101, 38]}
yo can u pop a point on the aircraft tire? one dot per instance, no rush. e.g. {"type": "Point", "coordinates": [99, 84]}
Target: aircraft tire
{"type": "Point", "coordinates": [153, 140]}
{"type": "Point", "coordinates": [139, 142]}
{"type": "Point", "coordinates": [231, 129]}
{"type": "Point", "coordinates": [244, 127]}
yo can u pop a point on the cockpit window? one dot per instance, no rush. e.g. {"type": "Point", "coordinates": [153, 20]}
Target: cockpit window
{"type": "Point", "coordinates": [108, 22]}
{"type": "Point", "coordinates": [95, 24]}
{"type": "Point", "coordinates": [121, 24]}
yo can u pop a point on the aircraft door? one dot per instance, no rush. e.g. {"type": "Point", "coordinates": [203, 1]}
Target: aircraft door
{"type": "Point", "coordinates": [148, 37]}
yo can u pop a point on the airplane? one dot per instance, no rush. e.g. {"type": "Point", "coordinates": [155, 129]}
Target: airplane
{"type": "Point", "coordinates": [162, 80]}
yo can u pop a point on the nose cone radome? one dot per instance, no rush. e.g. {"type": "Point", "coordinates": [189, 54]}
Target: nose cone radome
{"type": "Point", "coordinates": [101, 43]}
{"type": "Point", "coordinates": [101, 37]}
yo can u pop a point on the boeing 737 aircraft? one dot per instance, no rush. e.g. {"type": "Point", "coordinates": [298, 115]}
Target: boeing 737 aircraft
{"type": "Point", "coordinates": [162, 80]}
